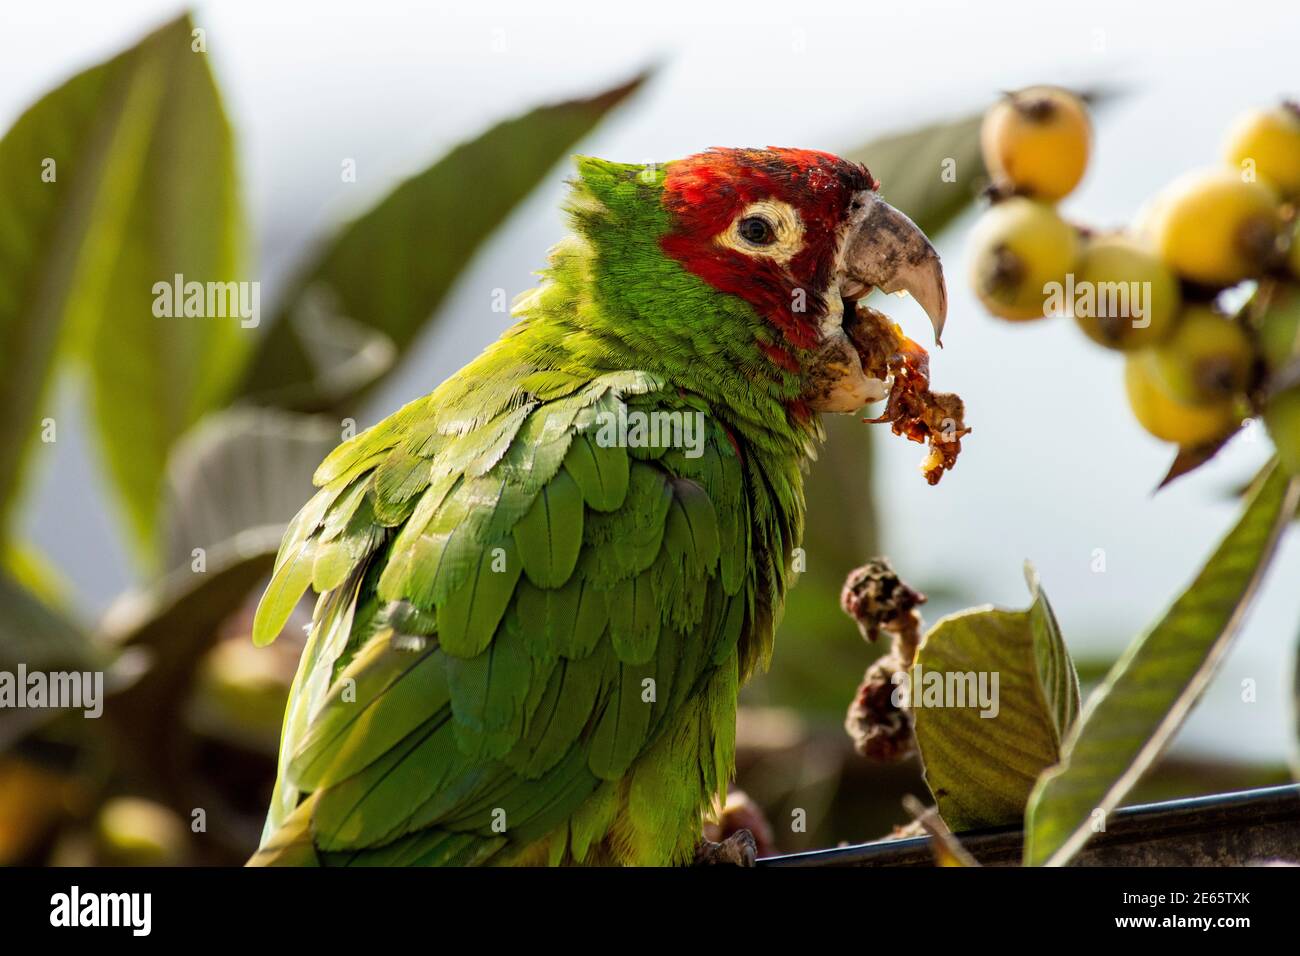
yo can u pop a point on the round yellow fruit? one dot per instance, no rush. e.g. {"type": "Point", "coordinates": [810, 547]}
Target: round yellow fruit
{"type": "Point", "coordinates": [136, 832]}
{"type": "Point", "coordinates": [1019, 248]}
{"type": "Point", "coordinates": [1124, 297]}
{"type": "Point", "coordinates": [1267, 142]}
{"type": "Point", "coordinates": [1208, 357]}
{"type": "Point", "coordinates": [1187, 426]}
{"type": "Point", "coordinates": [1214, 228]}
{"type": "Point", "coordinates": [1037, 140]}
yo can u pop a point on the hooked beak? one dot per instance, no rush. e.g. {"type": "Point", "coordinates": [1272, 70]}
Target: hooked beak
{"type": "Point", "coordinates": [888, 252]}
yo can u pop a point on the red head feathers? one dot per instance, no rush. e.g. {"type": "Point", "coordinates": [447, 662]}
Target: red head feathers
{"type": "Point", "coordinates": [782, 263]}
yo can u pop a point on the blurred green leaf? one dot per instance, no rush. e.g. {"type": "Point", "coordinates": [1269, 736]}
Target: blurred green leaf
{"type": "Point", "coordinates": [981, 769]}
{"type": "Point", "coordinates": [117, 180]}
{"type": "Point", "coordinates": [388, 270]}
{"type": "Point", "coordinates": [33, 571]}
{"type": "Point", "coordinates": [33, 633]}
{"type": "Point", "coordinates": [176, 620]}
{"type": "Point", "coordinates": [1155, 684]}
{"type": "Point", "coordinates": [911, 165]}
{"type": "Point", "coordinates": [40, 638]}
{"type": "Point", "coordinates": [169, 627]}
{"type": "Point", "coordinates": [241, 469]}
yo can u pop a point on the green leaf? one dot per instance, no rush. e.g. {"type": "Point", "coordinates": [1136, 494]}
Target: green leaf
{"type": "Point", "coordinates": [981, 769]}
{"type": "Point", "coordinates": [241, 469]}
{"type": "Point", "coordinates": [117, 180]}
{"type": "Point", "coordinates": [178, 619]}
{"type": "Point", "coordinates": [388, 270]}
{"type": "Point", "coordinates": [169, 628]}
{"type": "Point", "coordinates": [33, 633]}
{"type": "Point", "coordinates": [1154, 685]}
{"type": "Point", "coordinates": [37, 636]}
{"type": "Point", "coordinates": [31, 569]}
{"type": "Point", "coordinates": [910, 168]}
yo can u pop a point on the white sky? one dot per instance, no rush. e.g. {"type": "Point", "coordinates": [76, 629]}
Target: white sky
{"type": "Point", "coordinates": [1055, 468]}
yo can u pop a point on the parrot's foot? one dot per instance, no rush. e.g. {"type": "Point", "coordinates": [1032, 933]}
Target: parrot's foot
{"type": "Point", "coordinates": [739, 849]}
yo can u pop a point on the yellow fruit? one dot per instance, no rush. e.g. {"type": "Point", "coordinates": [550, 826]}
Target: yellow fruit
{"type": "Point", "coordinates": [1208, 357]}
{"type": "Point", "coordinates": [1268, 143]}
{"type": "Point", "coordinates": [135, 832]}
{"type": "Point", "coordinates": [1018, 248]}
{"type": "Point", "coordinates": [241, 691]}
{"type": "Point", "coordinates": [1215, 229]}
{"type": "Point", "coordinates": [1185, 425]}
{"type": "Point", "coordinates": [1125, 298]}
{"type": "Point", "coordinates": [1037, 140]}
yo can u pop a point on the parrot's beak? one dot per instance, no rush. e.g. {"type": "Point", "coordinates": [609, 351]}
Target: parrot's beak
{"type": "Point", "coordinates": [887, 251]}
{"type": "Point", "coordinates": [882, 249]}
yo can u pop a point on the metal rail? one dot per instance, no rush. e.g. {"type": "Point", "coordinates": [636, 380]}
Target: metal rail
{"type": "Point", "coordinates": [1229, 829]}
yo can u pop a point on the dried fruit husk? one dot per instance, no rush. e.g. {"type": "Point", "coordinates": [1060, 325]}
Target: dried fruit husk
{"type": "Point", "coordinates": [912, 409]}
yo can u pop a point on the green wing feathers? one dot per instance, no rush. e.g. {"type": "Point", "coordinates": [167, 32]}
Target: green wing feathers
{"type": "Point", "coordinates": [528, 641]}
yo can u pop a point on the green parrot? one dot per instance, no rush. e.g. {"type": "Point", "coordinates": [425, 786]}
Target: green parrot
{"type": "Point", "coordinates": [542, 585]}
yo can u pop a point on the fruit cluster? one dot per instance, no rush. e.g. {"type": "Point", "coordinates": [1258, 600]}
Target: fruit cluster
{"type": "Point", "coordinates": [1162, 291]}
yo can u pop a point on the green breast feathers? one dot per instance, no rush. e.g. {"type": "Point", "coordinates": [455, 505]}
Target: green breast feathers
{"type": "Point", "coordinates": [531, 627]}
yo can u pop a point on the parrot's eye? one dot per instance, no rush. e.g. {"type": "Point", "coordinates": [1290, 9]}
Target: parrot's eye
{"type": "Point", "coordinates": [756, 229]}
{"type": "Point", "coordinates": [768, 229]}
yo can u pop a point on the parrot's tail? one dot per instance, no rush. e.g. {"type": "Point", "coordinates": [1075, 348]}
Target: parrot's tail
{"type": "Point", "coordinates": [291, 844]}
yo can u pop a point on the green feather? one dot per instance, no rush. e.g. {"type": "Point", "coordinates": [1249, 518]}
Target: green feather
{"type": "Point", "coordinates": [381, 696]}
{"type": "Point", "coordinates": [549, 536]}
{"type": "Point", "coordinates": [286, 589]}
{"type": "Point", "coordinates": [572, 695]}
{"type": "Point", "coordinates": [488, 692]}
{"type": "Point", "coordinates": [468, 617]}
{"type": "Point", "coordinates": [600, 471]}
{"type": "Point", "coordinates": [624, 726]}
{"type": "Point", "coordinates": [634, 619]}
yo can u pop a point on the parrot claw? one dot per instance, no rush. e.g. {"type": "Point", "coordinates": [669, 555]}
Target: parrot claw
{"type": "Point", "coordinates": [739, 849]}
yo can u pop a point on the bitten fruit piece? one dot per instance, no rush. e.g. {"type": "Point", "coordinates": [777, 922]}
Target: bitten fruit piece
{"type": "Point", "coordinates": [1037, 141]}
{"type": "Point", "coordinates": [912, 410]}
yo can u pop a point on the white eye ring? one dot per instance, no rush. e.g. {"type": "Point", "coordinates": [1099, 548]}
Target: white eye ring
{"type": "Point", "coordinates": [784, 236]}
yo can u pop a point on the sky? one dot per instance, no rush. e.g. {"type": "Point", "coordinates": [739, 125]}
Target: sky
{"type": "Point", "coordinates": [1056, 468]}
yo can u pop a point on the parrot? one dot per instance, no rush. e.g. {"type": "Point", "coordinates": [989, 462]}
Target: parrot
{"type": "Point", "coordinates": [540, 587]}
